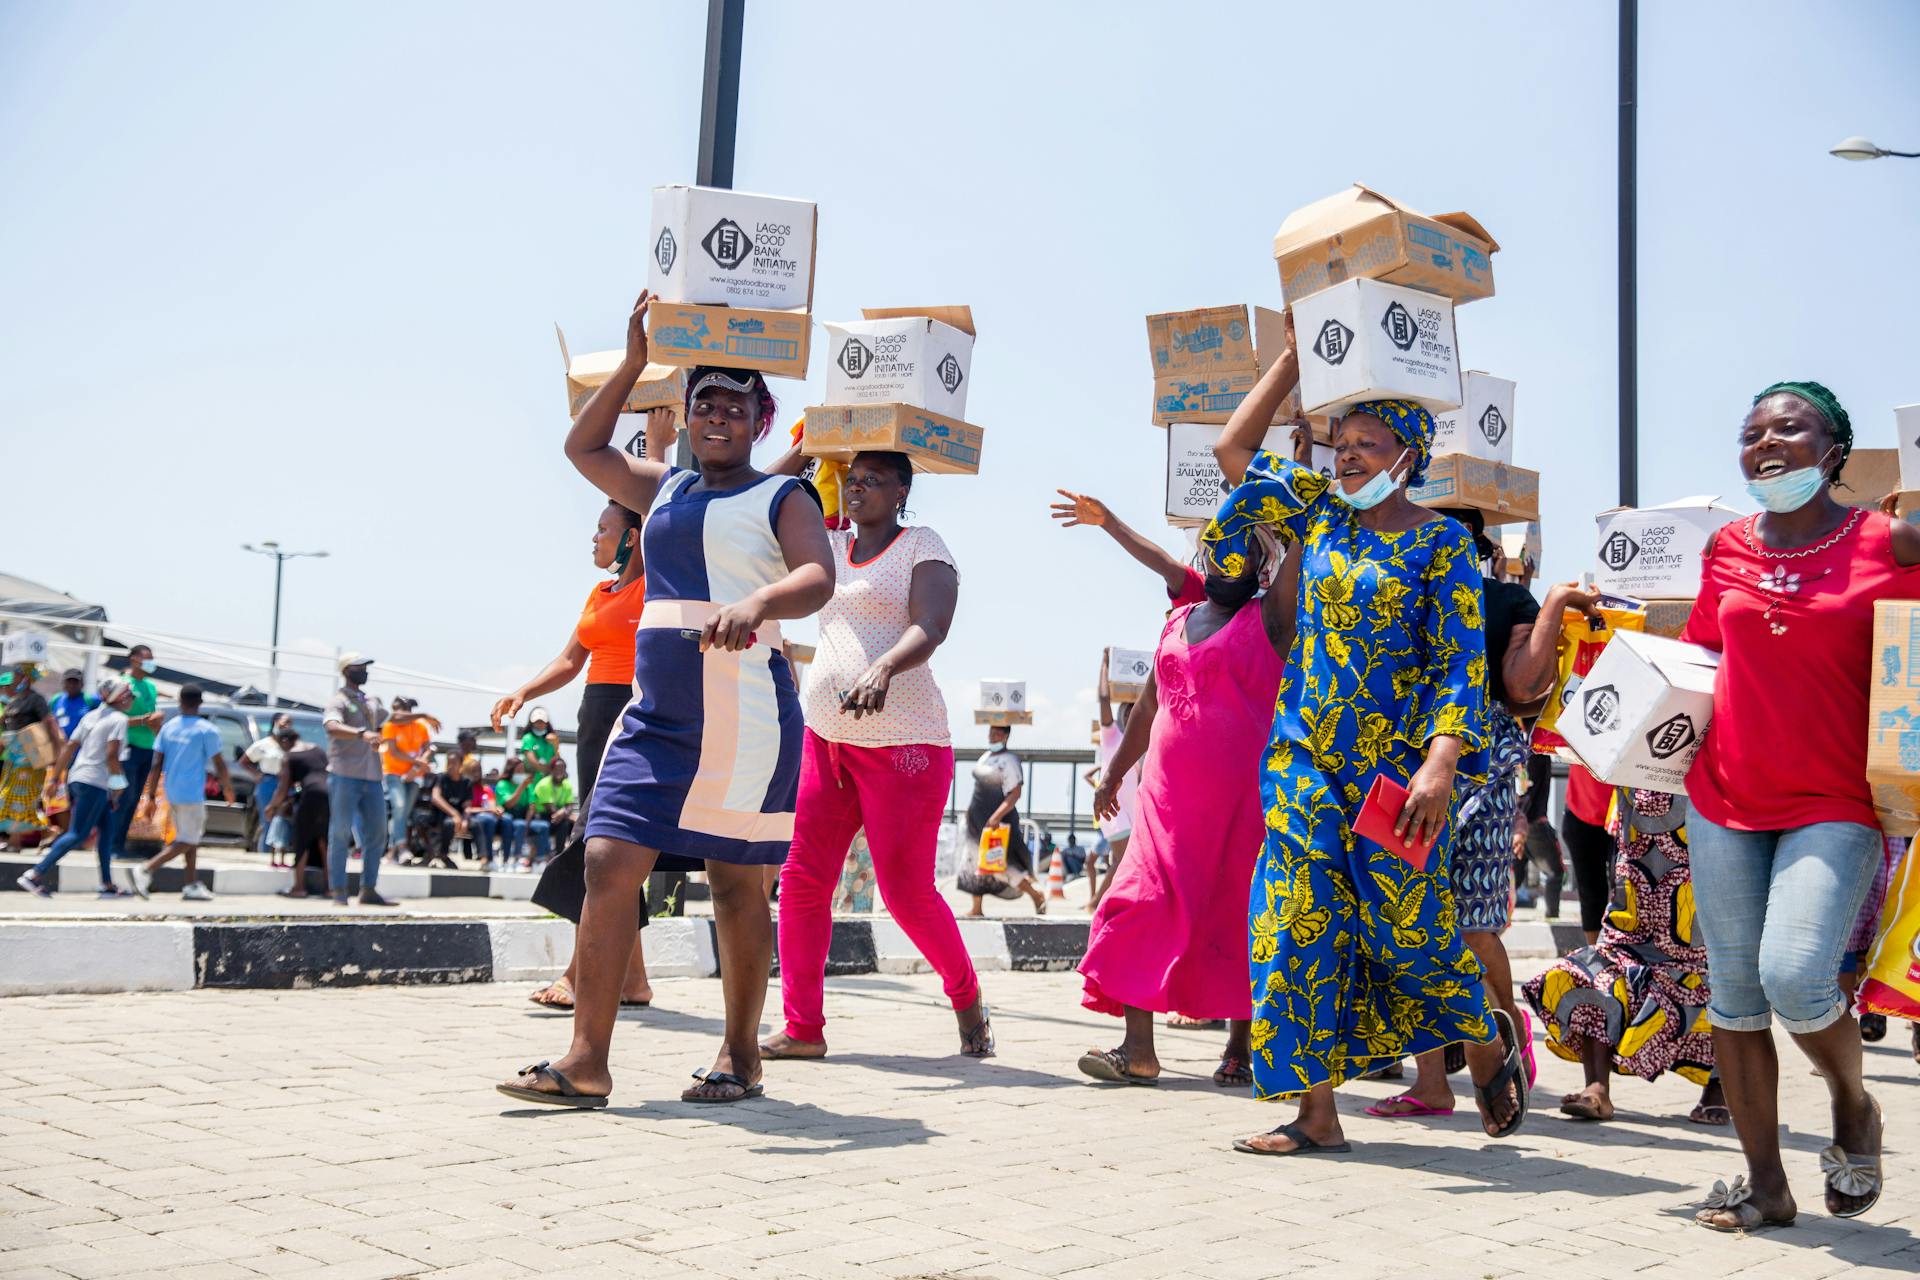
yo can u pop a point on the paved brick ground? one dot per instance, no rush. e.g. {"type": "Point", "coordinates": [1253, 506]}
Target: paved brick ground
{"type": "Point", "coordinates": [355, 1134]}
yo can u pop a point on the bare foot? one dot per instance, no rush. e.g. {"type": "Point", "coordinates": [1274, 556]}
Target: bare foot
{"type": "Point", "coordinates": [640, 994]}
{"type": "Point", "coordinates": [556, 995]}
{"type": "Point", "coordinates": [1591, 1103]}
{"type": "Point", "coordinates": [785, 1046]}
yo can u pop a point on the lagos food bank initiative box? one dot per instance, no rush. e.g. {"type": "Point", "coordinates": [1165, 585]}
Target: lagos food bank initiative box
{"type": "Point", "coordinates": [1206, 361]}
{"type": "Point", "coordinates": [920, 357]}
{"type": "Point", "coordinates": [1002, 702]}
{"type": "Point", "coordinates": [1653, 553]}
{"type": "Point", "coordinates": [732, 275]}
{"type": "Point", "coordinates": [1364, 340]}
{"type": "Point", "coordinates": [1195, 483]}
{"type": "Point", "coordinates": [1482, 427]}
{"type": "Point", "coordinates": [1360, 233]}
{"type": "Point", "coordinates": [1127, 672]}
{"type": "Point", "coordinates": [1893, 716]}
{"type": "Point", "coordinates": [1642, 712]}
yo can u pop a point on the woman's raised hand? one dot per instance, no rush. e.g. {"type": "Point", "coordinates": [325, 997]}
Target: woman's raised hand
{"type": "Point", "coordinates": [1079, 509]}
{"type": "Point", "coordinates": [637, 330]}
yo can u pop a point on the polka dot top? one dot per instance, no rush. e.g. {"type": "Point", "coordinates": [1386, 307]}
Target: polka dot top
{"type": "Point", "coordinates": [866, 617]}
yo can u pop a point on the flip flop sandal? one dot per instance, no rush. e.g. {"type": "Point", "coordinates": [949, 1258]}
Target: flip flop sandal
{"type": "Point", "coordinates": [1526, 1049]}
{"type": "Point", "coordinates": [568, 1096]}
{"type": "Point", "coordinates": [1512, 1074]}
{"type": "Point", "coordinates": [1418, 1108]}
{"type": "Point", "coordinates": [1181, 1022]}
{"type": "Point", "coordinates": [1709, 1114]}
{"type": "Point", "coordinates": [636, 1004]}
{"type": "Point", "coordinates": [1234, 1072]}
{"type": "Point", "coordinates": [1302, 1144]}
{"type": "Point", "coordinates": [777, 1055]}
{"type": "Point", "coordinates": [1854, 1176]}
{"type": "Point", "coordinates": [1873, 1027]}
{"type": "Point", "coordinates": [1111, 1066]}
{"type": "Point", "coordinates": [1738, 1201]}
{"type": "Point", "coordinates": [542, 997]}
{"type": "Point", "coordinates": [978, 1043]}
{"type": "Point", "coordinates": [726, 1080]}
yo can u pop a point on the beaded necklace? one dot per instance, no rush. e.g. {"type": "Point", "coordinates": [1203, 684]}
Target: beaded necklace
{"type": "Point", "coordinates": [1779, 583]}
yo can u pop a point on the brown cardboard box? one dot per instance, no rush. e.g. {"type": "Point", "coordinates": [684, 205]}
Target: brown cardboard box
{"type": "Point", "coordinates": [1205, 361]}
{"type": "Point", "coordinates": [1360, 232]}
{"type": "Point", "coordinates": [1893, 716]}
{"type": "Point", "coordinates": [660, 386]}
{"type": "Point", "coordinates": [774, 342]}
{"type": "Point", "coordinates": [1003, 717]}
{"type": "Point", "coordinates": [934, 443]}
{"type": "Point", "coordinates": [1668, 617]}
{"type": "Point", "coordinates": [1869, 476]}
{"type": "Point", "coordinates": [1501, 493]}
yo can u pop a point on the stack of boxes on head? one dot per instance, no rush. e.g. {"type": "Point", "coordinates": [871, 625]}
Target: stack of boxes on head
{"type": "Point", "coordinates": [897, 380]}
{"type": "Point", "coordinates": [1204, 364]}
{"type": "Point", "coordinates": [1373, 285]}
{"type": "Point", "coordinates": [1002, 702]}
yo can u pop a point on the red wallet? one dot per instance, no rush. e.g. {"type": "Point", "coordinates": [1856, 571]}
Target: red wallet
{"type": "Point", "coordinates": [1380, 814]}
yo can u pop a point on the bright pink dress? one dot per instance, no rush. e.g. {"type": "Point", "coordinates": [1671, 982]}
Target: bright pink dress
{"type": "Point", "coordinates": [1171, 934]}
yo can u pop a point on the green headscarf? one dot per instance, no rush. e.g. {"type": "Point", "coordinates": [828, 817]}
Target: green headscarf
{"type": "Point", "coordinates": [1829, 408]}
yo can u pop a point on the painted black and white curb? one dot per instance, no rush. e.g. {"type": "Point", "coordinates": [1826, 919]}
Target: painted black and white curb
{"type": "Point", "coordinates": [95, 954]}
{"type": "Point", "coordinates": [79, 873]}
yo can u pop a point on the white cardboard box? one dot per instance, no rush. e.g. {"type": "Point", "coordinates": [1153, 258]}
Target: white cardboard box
{"type": "Point", "coordinates": [1482, 427]}
{"type": "Point", "coordinates": [1522, 546]}
{"type": "Point", "coordinates": [916, 360]}
{"type": "Point", "coordinates": [1653, 553]}
{"type": "Point", "coordinates": [1127, 672]}
{"type": "Point", "coordinates": [1195, 484]}
{"type": "Point", "coordinates": [1906, 427]}
{"type": "Point", "coordinates": [1642, 712]}
{"type": "Point", "coordinates": [24, 646]}
{"type": "Point", "coordinates": [1364, 340]}
{"type": "Point", "coordinates": [1003, 695]}
{"type": "Point", "coordinates": [730, 248]}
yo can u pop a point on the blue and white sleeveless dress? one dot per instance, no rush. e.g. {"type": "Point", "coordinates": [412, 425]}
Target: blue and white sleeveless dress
{"type": "Point", "coordinates": [705, 761]}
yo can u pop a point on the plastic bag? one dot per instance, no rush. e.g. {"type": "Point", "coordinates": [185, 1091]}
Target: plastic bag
{"type": "Point", "coordinates": [993, 851]}
{"type": "Point", "coordinates": [1890, 983]}
{"type": "Point", "coordinates": [152, 820]}
{"type": "Point", "coordinates": [1580, 645]}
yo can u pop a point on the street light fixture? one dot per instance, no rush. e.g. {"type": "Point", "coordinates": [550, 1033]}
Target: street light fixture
{"type": "Point", "coordinates": [280, 558]}
{"type": "Point", "coordinates": [1862, 149]}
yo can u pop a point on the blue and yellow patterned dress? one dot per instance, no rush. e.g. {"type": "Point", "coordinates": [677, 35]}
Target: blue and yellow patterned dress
{"type": "Point", "coordinates": [1356, 957]}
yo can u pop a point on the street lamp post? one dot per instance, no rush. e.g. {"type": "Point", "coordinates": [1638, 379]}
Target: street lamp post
{"type": "Point", "coordinates": [1861, 149]}
{"type": "Point", "coordinates": [280, 558]}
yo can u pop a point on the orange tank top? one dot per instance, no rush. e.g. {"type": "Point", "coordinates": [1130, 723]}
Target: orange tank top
{"type": "Point", "coordinates": [606, 628]}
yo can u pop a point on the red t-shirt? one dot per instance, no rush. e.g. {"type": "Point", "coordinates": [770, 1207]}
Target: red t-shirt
{"type": "Point", "coordinates": [1193, 589]}
{"type": "Point", "coordinates": [1788, 743]}
{"type": "Point", "coordinates": [1587, 797]}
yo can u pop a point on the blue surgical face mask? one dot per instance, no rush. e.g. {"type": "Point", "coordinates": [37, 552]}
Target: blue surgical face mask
{"type": "Point", "coordinates": [1373, 492]}
{"type": "Point", "coordinates": [1789, 490]}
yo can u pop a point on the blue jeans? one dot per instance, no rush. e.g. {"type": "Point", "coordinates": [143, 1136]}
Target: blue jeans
{"type": "Point", "coordinates": [89, 810]}
{"type": "Point", "coordinates": [541, 831]}
{"type": "Point", "coordinates": [1777, 909]}
{"type": "Point", "coordinates": [136, 765]}
{"type": "Point", "coordinates": [402, 791]}
{"type": "Point", "coordinates": [359, 808]}
{"type": "Point", "coordinates": [485, 825]}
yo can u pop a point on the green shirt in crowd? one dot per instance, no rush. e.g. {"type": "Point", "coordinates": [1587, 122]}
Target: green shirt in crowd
{"type": "Point", "coordinates": [504, 791]}
{"type": "Point", "coordinates": [550, 796]}
{"type": "Point", "coordinates": [145, 699]}
{"type": "Point", "coordinates": [542, 747]}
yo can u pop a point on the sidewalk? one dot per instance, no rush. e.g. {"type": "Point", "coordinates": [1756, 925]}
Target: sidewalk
{"type": "Point", "coordinates": [356, 1134]}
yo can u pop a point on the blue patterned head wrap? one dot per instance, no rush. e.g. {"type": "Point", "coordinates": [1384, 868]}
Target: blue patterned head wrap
{"type": "Point", "coordinates": [1412, 423]}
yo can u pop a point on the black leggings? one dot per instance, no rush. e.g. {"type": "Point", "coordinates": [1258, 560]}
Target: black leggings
{"type": "Point", "coordinates": [563, 885]}
{"type": "Point", "coordinates": [1591, 848]}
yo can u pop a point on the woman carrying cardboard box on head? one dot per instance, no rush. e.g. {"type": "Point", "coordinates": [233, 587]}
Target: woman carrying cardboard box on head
{"type": "Point", "coordinates": [1785, 840]}
{"type": "Point", "coordinates": [703, 767]}
{"type": "Point", "coordinates": [1355, 950]}
{"type": "Point", "coordinates": [878, 754]}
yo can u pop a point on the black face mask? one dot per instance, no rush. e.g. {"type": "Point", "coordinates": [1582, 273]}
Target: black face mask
{"type": "Point", "coordinates": [357, 679]}
{"type": "Point", "coordinates": [1232, 593]}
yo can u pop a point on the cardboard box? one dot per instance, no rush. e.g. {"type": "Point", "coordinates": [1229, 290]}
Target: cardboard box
{"type": "Point", "coordinates": [730, 248]}
{"type": "Point", "coordinates": [660, 386]}
{"type": "Point", "coordinates": [1668, 617]}
{"type": "Point", "coordinates": [1893, 716]}
{"type": "Point", "coordinates": [1206, 361]}
{"type": "Point", "coordinates": [1003, 702]}
{"type": "Point", "coordinates": [919, 358]}
{"type": "Point", "coordinates": [1653, 553]}
{"type": "Point", "coordinates": [1127, 672]}
{"type": "Point", "coordinates": [1195, 484]}
{"type": "Point", "coordinates": [1642, 712]}
{"type": "Point", "coordinates": [1871, 475]}
{"type": "Point", "coordinates": [1522, 547]}
{"type": "Point", "coordinates": [1364, 340]}
{"type": "Point", "coordinates": [1482, 427]}
{"type": "Point", "coordinates": [1906, 430]}
{"type": "Point", "coordinates": [1500, 493]}
{"type": "Point", "coordinates": [24, 646]}
{"type": "Point", "coordinates": [774, 342]}
{"type": "Point", "coordinates": [1361, 233]}
{"type": "Point", "coordinates": [934, 443]}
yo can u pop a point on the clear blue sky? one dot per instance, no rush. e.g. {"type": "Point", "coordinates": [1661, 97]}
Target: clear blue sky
{"type": "Point", "coordinates": [290, 271]}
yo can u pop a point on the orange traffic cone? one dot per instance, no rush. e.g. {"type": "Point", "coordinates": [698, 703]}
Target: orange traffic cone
{"type": "Point", "coordinates": [1057, 878]}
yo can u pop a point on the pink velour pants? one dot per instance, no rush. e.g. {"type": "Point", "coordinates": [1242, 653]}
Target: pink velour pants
{"type": "Point", "coordinates": [898, 794]}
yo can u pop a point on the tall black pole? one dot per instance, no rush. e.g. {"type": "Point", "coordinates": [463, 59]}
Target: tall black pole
{"type": "Point", "coordinates": [720, 92]}
{"type": "Point", "coordinates": [273, 662]}
{"type": "Point", "coordinates": [1629, 203]}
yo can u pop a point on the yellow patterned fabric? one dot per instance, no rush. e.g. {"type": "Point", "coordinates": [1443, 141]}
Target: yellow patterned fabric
{"type": "Point", "coordinates": [1356, 957]}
